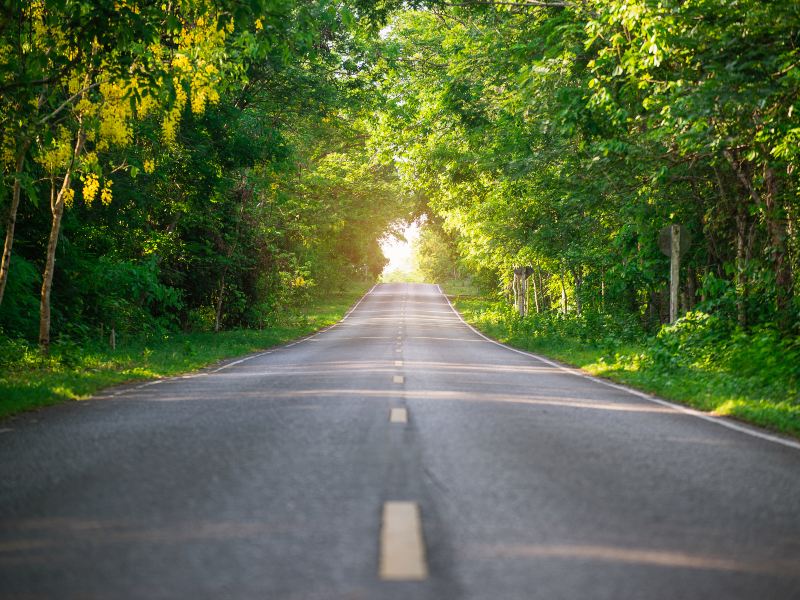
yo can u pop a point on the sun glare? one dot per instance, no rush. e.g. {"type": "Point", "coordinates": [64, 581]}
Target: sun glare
{"type": "Point", "coordinates": [400, 252]}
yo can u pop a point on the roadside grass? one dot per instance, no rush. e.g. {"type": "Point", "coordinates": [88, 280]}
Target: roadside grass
{"type": "Point", "coordinates": [29, 380]}
{"type": "Point", "coordinates": [752, 378]}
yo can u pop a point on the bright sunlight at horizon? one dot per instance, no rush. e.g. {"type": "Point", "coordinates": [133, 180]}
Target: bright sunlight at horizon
{"type": "Point", "coordinates": [400, 252]}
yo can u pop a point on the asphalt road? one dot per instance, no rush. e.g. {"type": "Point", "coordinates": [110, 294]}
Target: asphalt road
{"type": "Point", "coordinates": [268, 479]}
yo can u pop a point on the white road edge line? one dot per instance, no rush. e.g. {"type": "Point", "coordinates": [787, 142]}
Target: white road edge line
{"type": "Point", "coordinates": [402, 548]}
{"type": "Point", "coordinates": [722, 421]}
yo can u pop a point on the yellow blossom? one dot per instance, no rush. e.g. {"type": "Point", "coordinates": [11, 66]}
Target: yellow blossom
{"type": "Point", "coordinates": [105, 195]}
{"type": "Point", "coordinates": [58, 153]}
{"type": "Point", "coordinates": [90, 187]}
{"type": "Point", "coordinates": [69, 197]}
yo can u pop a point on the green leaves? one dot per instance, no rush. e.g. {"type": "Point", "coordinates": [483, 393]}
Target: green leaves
{"type": "Point", "coordinates": [564, 137]}
{"type": "Point", "coordinates": [551, 136]}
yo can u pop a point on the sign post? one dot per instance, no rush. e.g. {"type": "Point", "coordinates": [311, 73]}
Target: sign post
{"type": "Point", "coordinates": [674, 241]}
{"type": "Point", "coordinates": [521, 275]}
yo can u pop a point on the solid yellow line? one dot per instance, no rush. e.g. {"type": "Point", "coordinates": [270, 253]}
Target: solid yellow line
{"type": "Point", "coordinates": [402, 548]}
{"type": "Point", "coordinates": [398, 415]}
{"type": "Point", "coordinates": [398, 379]}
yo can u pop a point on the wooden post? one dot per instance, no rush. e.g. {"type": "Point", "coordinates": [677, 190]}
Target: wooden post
{"type": "Point", "coordinates": [674, 271]}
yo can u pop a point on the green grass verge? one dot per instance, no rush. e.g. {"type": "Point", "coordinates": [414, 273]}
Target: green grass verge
{"type": "Point", "coordinates": [29, 381]}
{"type": "Point", "coordinates": [754, 395]}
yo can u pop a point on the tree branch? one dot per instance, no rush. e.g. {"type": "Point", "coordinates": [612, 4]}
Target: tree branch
{"type": "Point", "coordinates": [66, 102]}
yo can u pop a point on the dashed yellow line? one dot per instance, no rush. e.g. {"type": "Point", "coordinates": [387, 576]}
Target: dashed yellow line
{"type": "Point", "coordinates": [402, 548]}
{"type": "Point", "coordinates": [398, 379]}
{"type": "Point", "coordinates": [398, 415]}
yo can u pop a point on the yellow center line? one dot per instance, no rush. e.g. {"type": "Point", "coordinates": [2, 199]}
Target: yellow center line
{"type": "Point", "coordinates": [398, 363]}
{"type": "Point", "coordinates": [402, 547]}
{"type": "Point", "coordinates": [398, 379]}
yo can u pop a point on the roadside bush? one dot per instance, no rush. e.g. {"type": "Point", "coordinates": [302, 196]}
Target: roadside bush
{"type": "Point", "coordinates": [590, 327]}
{"type": "Point", "coordinates": [764, 353]}
{"type": "Point", "coordinates": [20, 310]}
{"type": "Point", "coordinates": [694, 339]}
{"type": "Point", "coordinates": [704, 340]}
{"type": "Point", "coordinates": [127, 296]}
{"type": "Point", "coordinates": [13, 352]}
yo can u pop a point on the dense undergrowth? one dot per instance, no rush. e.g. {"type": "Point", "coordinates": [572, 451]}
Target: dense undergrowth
{"type": "Point", "coordinates": [701, 360]}
{"type": "Point", "coordinates": [74, 370]}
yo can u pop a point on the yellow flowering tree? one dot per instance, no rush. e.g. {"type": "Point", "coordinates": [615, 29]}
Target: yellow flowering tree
{"type": "Point", "coordinates": [86, 71]}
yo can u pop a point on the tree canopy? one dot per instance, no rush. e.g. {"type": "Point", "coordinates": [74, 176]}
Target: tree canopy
{"type": "Point", "coordinates": [198, 164]}
{"type": "Point", "coordinates": [184, 164]}
{"type": "Point", "coordinates": [566, 135]}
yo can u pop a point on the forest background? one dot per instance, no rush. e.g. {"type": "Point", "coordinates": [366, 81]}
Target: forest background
{"type": "Point", "coordinates": [201, 166]}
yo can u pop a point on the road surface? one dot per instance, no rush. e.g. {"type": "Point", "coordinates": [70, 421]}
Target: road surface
{"type": "Point", "coordinates": [398, 455]}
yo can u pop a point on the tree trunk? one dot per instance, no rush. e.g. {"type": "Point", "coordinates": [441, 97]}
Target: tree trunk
{"type": "Point", "coordinates": [57, 209]}
{"type": "Point", "coordinates": [563, 293]}
{"type": "Point", "coordinates": [691, 288]}
{"type": "Point", "coordinates": [776, 229]}
{"type": "Point", "coordinates": [546, 303]}
{"type": "Point", "coordinates": [740, 282]}
{"type": "Point", "coordinates": [652, 312]}
{"type": "Point", "coordinates": [577, 275]}
{"type": "Point", "coordinates": [520, 291]}
{"type": "Point", "coordinates": [12, 219]}
{"type": "Point", "coordinates": [535, 294]}
{"type": "Point", "coordinates": [244, 193]}
{"type": "Point", "coordinates": [703, 296]}
{"type": "Point", "coordinates": [741, 268]}
{"type": "Point", "coordinates": [218, 316]}
{"type": "Point", "coordinates": [515, 291]}
{"type": "Point", "coordinates": [523, 296]}
{"type": "Point", "coordinates": [776, 224]}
